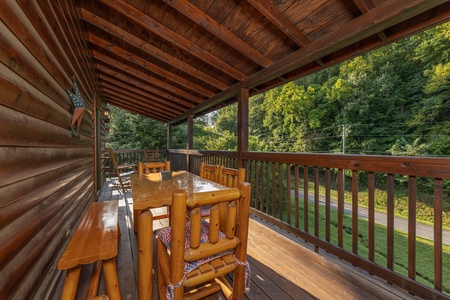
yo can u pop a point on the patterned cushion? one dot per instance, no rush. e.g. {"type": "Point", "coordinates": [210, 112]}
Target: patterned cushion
{"type": "Point", "coordinates": [205, 210]}
{"type": "Point", "coordinates": [165, 234]}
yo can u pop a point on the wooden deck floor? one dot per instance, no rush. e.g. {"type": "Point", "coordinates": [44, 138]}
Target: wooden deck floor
{"type": "Point", "coordinates": [282, 266]}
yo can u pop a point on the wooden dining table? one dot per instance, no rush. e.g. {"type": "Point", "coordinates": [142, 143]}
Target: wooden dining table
{"type": "Point", "coordinates": [150, 191]}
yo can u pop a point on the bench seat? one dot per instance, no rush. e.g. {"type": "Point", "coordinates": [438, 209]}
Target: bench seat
{"type": "Point", "coordinates": [95, 240]}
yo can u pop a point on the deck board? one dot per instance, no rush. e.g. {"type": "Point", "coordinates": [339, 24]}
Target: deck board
{"type": "Point", "coordinates": [282, 265]}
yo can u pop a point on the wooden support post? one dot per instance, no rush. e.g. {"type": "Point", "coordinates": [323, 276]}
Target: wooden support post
{"type": "Point", "coordinates": [169, 140]}
{"type": "Point", "coordinates": [242, 124]}
{"type": "Point", "coordinates": [190, 140]}
{"type": "Point", "coordinates": [145, 256]}
{"type": "Point", "coordinates": [111, 279]}
{"type": "Point", "coordinates": [71, 283]}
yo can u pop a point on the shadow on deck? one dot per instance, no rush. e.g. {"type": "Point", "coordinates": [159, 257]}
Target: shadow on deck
{"type": "Point", "coordinates": [282, 265]}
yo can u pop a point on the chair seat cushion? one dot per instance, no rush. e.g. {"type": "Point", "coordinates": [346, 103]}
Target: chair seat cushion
{"type": "Point", "coordinates": [165, 235]}
{"type": "Point", "coordinates": [205, 210]}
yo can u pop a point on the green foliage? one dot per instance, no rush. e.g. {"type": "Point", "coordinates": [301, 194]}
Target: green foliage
{"type": "Point", "coordinates": [392, 101]}
{"type": "Point", "coordinates": [132, 131]}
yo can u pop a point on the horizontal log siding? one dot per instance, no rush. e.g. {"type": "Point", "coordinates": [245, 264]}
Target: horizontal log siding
{"type": "Point", "coordinates": [272, 173]}
{"type": "Point", "coordinates": [46, 174]}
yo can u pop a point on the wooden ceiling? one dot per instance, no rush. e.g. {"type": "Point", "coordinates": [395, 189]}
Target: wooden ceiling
{"type": "Point", "coordinates": [167, 59]}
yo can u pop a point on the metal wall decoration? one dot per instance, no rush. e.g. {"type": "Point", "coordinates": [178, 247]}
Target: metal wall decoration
{"type": "Point", "coordinates": [79, 107]}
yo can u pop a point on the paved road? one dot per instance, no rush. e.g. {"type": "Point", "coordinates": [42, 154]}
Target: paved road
{"type": "Point", "coordinates": [422, 230]}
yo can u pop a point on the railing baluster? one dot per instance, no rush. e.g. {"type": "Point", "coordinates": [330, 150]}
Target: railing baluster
{"type": "Point", "coordinates": [288, 193]}
{"type": "Point", "coordinates": [412, 189]}
{"type": "Point", "coordinates": [340, 208]}
{"type": "Point", "coordinates": [371, 216]}
{"type": "Point", "coordinates": [327, 204]}
{"type": "Point", "coordinates": [256, 185]}
{"type": "Point", "coordinates": [273, 189]}
{"type": "Point", "coordinates": [267, 188]}
{"type": "Point", "coordinates": [250, 179]}
{"type": "Point", "coordinates": [296, 196]}
{"type": "Point", "coordinates": [316, 204]}
{"type": "Point", "coordinates": [280, 191]}
{"type": "Point", "coordinates": [261, 187]}
{"type": "Point", "coordinates": [355, 212]}
{"type": "Point", "coordinates": [264, 188]}
{"type": "Point", "coordinates": [390, 221]}
{"type": "Point", "coordinates": [438, 196]}
{"type": "Point", "coordinates": [305, 198]}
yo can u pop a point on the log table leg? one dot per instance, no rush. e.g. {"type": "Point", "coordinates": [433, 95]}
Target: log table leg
{"type": "Point", "coordinates": [136, 220]}
{"type": "Point", "coordinates": [71, 283]}
{"type": "Point", "coordinates": [145, 256]}
{"type": "Point", "coordinates": [111, 279]}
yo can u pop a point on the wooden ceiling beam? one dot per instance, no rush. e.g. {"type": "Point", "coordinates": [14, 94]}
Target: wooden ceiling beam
{"type": "Point", "coordinates": [200, 18]}
{"type": "Point", "coordinates": [151, 50]}
{"type": "Point", "coordinates": [147, 101]}
{"type": "Point", "coordinates": [140, 101]}
{"type": "Point", "coordinates": [172, 37]}
{"type": "Point", "coordinates": [144, 76]}
{"type": "Point", "coordinates": [143, 85]}
{"type": "Point", "coordinates": [140, 62]}
{"type": "Point", "coordinates": [364, 6]}
{"type": "Point", "coordinates": [155, 99]}
{"type": "Point", "coordinates": [378, 19]}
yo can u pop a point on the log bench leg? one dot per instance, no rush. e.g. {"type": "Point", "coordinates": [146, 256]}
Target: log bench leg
{"type": "Point", "coordinates": [95, 279]}
{"type": "Point", "coordinates": [145, 255]}
{"type": "Point", "coordinates": [111, 279]}
{"type": "Point", "coordinates": [71, 283]}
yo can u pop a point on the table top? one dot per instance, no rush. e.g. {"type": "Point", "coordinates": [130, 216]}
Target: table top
{"type": "Point", "coordinates": [150, 191]}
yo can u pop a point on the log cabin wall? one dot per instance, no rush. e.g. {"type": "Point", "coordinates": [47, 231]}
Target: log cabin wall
{"type": "Point", "coordinates": [47, 174]}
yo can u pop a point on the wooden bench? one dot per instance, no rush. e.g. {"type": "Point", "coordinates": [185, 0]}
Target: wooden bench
{"type": "Point", "coordinates": [95, 241]}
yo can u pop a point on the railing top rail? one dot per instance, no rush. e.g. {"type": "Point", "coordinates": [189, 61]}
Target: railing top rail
{"type": "Point", "coordinates": [435, 167]}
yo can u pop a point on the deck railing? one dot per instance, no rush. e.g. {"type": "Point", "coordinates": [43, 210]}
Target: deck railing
{"type": "Point", "coordinates": [280, 181]}
{"type": "Point", "coordinates": [129, 156]}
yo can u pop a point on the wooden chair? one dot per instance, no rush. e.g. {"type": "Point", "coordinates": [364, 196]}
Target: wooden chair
{"type": "Point", "coordinates": [231, 177]}
{"type": "Point", "coordinates": [155, 167]}
{"type": "Point", "coordinates": [200, 254]}
{"type": "Point", "coordinates": [147, 168]}
{"type": "Point", "coordinates": [151, 155]}
{"type": "Point", "coordinates": [210, 172]}
{"type": "Point", "coordinates": [225, 176]}
{"type": "Point", "coordinates": [123, 172]}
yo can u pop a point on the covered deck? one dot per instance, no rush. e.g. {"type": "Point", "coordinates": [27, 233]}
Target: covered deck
{"type": "Point", "coordinates": [173, 61]}
{"type": "Point", "coordinates": [283, 266]}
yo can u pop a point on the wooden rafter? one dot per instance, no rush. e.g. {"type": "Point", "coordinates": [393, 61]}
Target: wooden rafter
{"type": "Point", "coordinates": [155, 99]}
{"type": "Point", "coordinates": [150, 49]}
{"type": "Point", "coordinates": [143, 85]}
{"type": "Point", "coordinates": [147, 77]}
{"type": "Point", "coordinates": [266, 8]}
{"type": "Point", "coordinates": [148, 23]}
{"type": "Point", "coordinates": [133, 59]}
{"type": "Point", "coordinates": [364, 6]}
{"type": "Point", "coordinates": [143, 99]}
{"type": "Point", "coordinates": [203, 20]}
{"type": "Point", "coordinates": [368, 24]}
{"type": "Point", "coordinates": [120, 104]}
{"type": "Point", "coordinates": [136, 99]}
